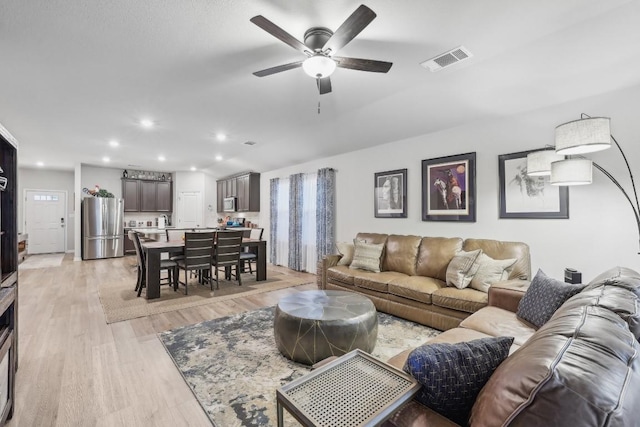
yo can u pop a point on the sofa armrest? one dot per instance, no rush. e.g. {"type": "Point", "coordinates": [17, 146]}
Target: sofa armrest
{"type": "Point", "coordinates": [326, 262]}
{"type": "Point", "coordinates": [507, 294]}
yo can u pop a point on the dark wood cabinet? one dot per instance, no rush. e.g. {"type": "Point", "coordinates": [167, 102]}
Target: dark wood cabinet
{"type": "Point", "coordinates": [164, 199]}
{"type": "Point", "coordinates": [131, 195]}
{"type": "Point", "coordinates": [147, 196]}
{"type": "Point", "coordinates": [9, 271]}
{"type": "Point", "coordinates": [245, 187]}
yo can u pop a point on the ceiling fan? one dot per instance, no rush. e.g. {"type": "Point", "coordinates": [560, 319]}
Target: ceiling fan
{"type": "Point", "coordinates": [320, 45]}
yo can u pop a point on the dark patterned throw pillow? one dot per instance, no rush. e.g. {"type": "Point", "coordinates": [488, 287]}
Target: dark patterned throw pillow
{"type": "Point", "coordinates": [544, 296]}
{"type": "Point", "coordinates": [452, 375]}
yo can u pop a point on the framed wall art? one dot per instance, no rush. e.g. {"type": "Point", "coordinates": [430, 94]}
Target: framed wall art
{"type": "Point", "coordinates": [524, 196]}
{"type": "Point", "coordinates": [449, 188]}
{"type": "Point", "coordinates": [390, 194]}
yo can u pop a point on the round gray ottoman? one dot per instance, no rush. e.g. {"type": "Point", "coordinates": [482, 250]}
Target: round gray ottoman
{"type": "Point", "coordinates": [310, 326]}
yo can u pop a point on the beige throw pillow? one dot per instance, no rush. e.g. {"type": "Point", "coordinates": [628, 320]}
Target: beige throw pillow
{"type": "Point", "coordinates": [366, 256]}
{"type": "Point", "coordinates": [491, 271]}
{"type": "Point", "coordinates": [462, 268]}
{"type": "Point", "coordinates": [346, 250]}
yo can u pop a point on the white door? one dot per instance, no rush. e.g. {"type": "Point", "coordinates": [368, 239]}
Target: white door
{"type": "Point", "coordinates": [45, 221]}
{"type": "Point", "coordinates": [189, 209]}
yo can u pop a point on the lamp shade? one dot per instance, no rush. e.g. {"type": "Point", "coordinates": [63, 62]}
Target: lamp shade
{"type": "Point", "coordinates": [583, 136]}
{"type": "Point", "coordinates": [572, 172]}
{"type": "Point", "coordinates": [539, 162]}
{"type": "Point", "coordinates": [319, 66]}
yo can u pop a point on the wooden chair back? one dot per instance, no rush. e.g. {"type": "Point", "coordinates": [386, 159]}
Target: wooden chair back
{"type": "Point", "coordinates": [198, 248]}
{"type": "Point", "coordinates": [256, 233]}
{"type": "Point", "coordinates": [227, 252]}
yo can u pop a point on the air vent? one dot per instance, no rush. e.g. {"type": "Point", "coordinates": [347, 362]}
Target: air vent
{"type": "Point", "coordinates": [446, 59]}
{"type": "Point", "coordinates": [250, 143]}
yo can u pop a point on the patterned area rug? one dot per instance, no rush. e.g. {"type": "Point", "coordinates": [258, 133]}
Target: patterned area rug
{"type": "Point", "coordinates": [233, 366]}
{"type": "Point", "coordinates": [120, 301]}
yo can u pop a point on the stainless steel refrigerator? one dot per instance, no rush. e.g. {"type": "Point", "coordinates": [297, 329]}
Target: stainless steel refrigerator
{"type": "Point", "coordinates": [102, 227]}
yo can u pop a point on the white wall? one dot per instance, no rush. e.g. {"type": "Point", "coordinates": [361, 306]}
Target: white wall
{"type": "Point", "coordinates": [39, 179]}
{"type": "Point", "coordinates": [600, 233]}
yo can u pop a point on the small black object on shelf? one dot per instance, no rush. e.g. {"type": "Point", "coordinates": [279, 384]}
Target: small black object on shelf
{"type": "Point", "coordinates": [572, 276]}
{"type": "Point", "coordinates": [125, 174]}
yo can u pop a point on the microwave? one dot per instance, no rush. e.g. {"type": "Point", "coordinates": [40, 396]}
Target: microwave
{"type": "Point", "coordinates": [229, 204]}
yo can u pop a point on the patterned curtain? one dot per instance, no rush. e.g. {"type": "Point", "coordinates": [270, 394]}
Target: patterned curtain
{"type": "Point", "coordinates": [296, 182]}
{"type": "Point", "coordinates": [273, 223]}
{"type": "Point", "coordinates": [326, 212]}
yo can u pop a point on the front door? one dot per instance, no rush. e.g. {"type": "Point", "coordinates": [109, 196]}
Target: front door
{"type": "Point", "coordinates": [189, 209]}
{"type": "Point", "coordinates": [45, 221]}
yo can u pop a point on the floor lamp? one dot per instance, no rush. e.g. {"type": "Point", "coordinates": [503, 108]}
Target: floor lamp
{"type": "Point", "coordinates": [586, 135]}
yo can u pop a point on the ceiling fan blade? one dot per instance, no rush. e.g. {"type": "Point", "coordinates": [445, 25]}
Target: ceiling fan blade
{"type": "Point", "coordinates": [280, 34]}
{"type": "Point", "coordinates": [324, 85]}
{"type": "Point", "coordinates": [363, 64]}
{"type": "Point", "coordinates": [349, 29]}
{"type": "Point", "coordinates": [278, 69]}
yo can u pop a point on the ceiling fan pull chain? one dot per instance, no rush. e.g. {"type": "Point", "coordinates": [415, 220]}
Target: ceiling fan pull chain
{"type": "Point", "coordinates": [318, 107]}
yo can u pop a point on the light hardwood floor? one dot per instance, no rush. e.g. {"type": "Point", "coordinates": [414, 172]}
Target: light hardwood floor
{"type": "Point", "coordinates": [75, 370]}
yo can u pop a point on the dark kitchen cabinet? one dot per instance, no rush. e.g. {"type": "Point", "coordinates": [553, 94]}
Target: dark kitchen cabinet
{"type": "Point", "coordinates": [147, 196]}
{"type": "Point", "coordinates": [164, 199]}
{"type": "Point", "coordinates": [245, 188]}
{"type": "Point", "coordinates": [131, 195]}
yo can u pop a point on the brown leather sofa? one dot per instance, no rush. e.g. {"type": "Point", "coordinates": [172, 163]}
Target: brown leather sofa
{"type": "Point", "coordinates": [412, 281]}
{"type": "Point", "coordinates": [581, 368]}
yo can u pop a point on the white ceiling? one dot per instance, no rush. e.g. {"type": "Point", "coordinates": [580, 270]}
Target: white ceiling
{"type": "Point", "coordinates": [75, 74]}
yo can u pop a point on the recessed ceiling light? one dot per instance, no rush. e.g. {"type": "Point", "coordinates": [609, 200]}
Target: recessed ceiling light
{"type": "Point", "coordinates": [221, 136]}
{"type": "Point", "coordinates": [161, 158]}
{"type": "Point", "coordinates": [114, 143]}
{"type": "Point", "coordinates": [40, 164]}
{"type": "Point", "coordinates": [193, 168]}
{"type": "Point", "coordinates": [106, 159]}
{"type": "Point", "coordinates": [146, 123]}
{"type": "Point", "coordinates": [218, 157]}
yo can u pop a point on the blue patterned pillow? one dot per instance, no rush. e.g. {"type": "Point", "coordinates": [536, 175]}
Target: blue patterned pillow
{"type": "Point", "coordinates": [452, 375]}
{"type": "Point", "coordinates": [544, 296]}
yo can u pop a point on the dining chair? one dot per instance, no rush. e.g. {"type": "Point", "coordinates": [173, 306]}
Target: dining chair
{"type": "Point", "coordinates": [251, 254]}
{"type": "Point", "coordinates": [166, 264]}
{"type": "Point", "coordinates": [227, 255]}
{"type": "Point", "coordinates": [198, 249]}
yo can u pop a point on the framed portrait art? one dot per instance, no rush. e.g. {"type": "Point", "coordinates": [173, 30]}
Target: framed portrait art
{"type": "Point", "coordinates": [524, 196]}
{"type": "Point", "coordinates": [390, 195]}
{"type": "Point", "coordinates": [449, 188]}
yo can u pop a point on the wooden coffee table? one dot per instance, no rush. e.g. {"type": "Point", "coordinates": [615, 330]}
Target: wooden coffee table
{"type": "Point", "coordinates": [353, 390]}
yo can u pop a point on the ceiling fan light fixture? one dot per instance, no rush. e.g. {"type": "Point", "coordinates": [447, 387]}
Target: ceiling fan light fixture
{"type": "Point", "coordinates": [319, 66]}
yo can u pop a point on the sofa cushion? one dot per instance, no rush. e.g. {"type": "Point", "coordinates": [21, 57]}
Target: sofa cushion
{"type": "Point", "coordinates": [376, 281]}
{"type": "Point", "coordinates": [498, 249]}
{"type": "Point", "coordinates": [340, 274]}
{"type": "Point", "coordinates": [467, 300]}
{"type": "Point", "coordinates": [462, 268]}
{"type": "Point", "coordinates": [491, 271]}
{"type": "Point", "coordinates": [435, 254]}
{"type": "Point", "coordinates": [415, 288]}
{"type": "Point", "coordinates": [497, 322]}
{"type": "Point", "coordinates": [346, 250]}
{"type": "Point", "coordinates": [452, 375]}
{"type": "Point", "coordinates": [401, 253]}
{"type": "Point", "coordinates": [618, 290]}
{"type": "Point", "coordinates": [580, 369]}
{"type": "Point", "coordinates": [367, 256]}
{"type": "Point", "coordinates": [544, 296]}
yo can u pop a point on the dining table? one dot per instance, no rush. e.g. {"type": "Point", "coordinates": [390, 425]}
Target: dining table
{"type": "Point", "coordinates": [154, 249]}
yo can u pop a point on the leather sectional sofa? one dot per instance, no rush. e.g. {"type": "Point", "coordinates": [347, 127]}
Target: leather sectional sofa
{"type": "Point", "coordinates": [581, 368]}
{"type": "Point", "coordinates": [412, 281]}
